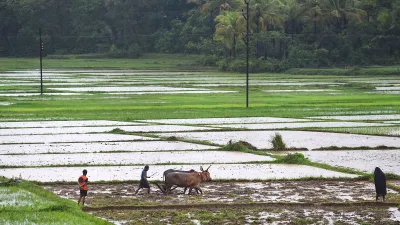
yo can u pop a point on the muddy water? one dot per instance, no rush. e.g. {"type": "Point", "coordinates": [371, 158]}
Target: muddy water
{"type": "Point", "coordinates": [72, 123]}
{"type": "Point", "coordinates": [131, 158]}
{"type": "Point", "coordinates": [102, 129]}
{"type": "Point", "coordinates": [218, 171]}
{"type": "Point", "coordinates": [60, 138]}
{"type": "Point", "coordinates": [227, 120]}
{"type": "Point", "coordinates": [101, 147]}
{"type": "Point", "coordinates": [297, 139]}
{"type": "Point", "coordinates": [259, 126]}
{"type": "Point", "coordinates": [230, 192]}
{"type": "Point", "coordinates": [324, 198]}
{"type": "Point", "coordinates": [127, 89]}
{"type": "Point", "coordinates": [275, 214]}
{"type": "Point", "coordinates": [387, 160]}
{"type": "Point", "coordinates": [360, 117]}
{"type": "Point", "coordinates": [168, 92]}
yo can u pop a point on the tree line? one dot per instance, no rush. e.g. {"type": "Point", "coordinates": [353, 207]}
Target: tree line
{"type": "Point", "coordinates": [284, 33]}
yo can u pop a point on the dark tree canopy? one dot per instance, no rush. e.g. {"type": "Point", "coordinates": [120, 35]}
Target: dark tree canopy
{"type": "Point", "coordinates": [296, 33]}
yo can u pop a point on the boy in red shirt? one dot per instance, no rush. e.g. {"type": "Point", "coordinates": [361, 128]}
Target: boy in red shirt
{"type": "Point", "coordinates": [83, 187]}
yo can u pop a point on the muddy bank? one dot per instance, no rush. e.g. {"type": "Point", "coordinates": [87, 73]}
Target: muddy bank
{"type": "Point", "coordinates": [257, 215]}
{"type": "Point", "coordinates": [101, 195]}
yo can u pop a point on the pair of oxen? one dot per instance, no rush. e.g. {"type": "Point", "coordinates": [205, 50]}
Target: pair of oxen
{"type": "Point", "coordinates": [181, 178]}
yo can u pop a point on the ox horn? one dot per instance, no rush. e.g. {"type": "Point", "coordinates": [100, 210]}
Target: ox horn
{"type": "Point", "coordinates": [208, 168]}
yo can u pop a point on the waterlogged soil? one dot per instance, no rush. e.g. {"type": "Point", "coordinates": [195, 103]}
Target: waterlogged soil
{"type": "Point", "coordinates": [296, 139]}
{"type": "Point", "coordinates": [254, 214]}
{"type": "Point", "coordinates": [360, 117]}
{"type": "Point", "coordinates": [101, 195]}
{"type": "Point", "coordinates": [273, 202]}
{"type": "Point", "coordinates": [126, 89]}
{"type": "Point", "coordinates": [361, 160]}
{"type": "Point", "coordinates": [72, 123]}
{"type": "Point", "coordinates": [131, 158]}
{"type": "Point", "coordinates": [102, 129]}
{"type": "Point", "coordinates": [218, 172]}
{"type": "Point", "coordinates": [70, 138]}
{"type": "Point", "coordinates": [260, 126]}
{"type": "Point", "coordinates": [93, 147]}
{"type": "Point", "coordinates": [226, 120]}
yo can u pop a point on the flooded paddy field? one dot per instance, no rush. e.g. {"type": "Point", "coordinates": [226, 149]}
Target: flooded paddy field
{"type": "Point", "coordinates": [259, 126]}
{"type": "Point", "coordinates": [164, 104]}
{"type": "Point", "coordinates": [77, 123]}
{"type": "Point", "coordinates": [122, 194]}
{"type": "Point", "coordinates": [103, 129]}
{"type": "Point", "coordinates": [360, 117]}
{"type": "Point", "coordinates": [131, 158]}
{"type": "Point", "coordinates": [275, 202]}
{"type": "Point", "coordinates": [71, 138]}
{"type": "Point", "coordinates": [92, 147]}
{"type": "Point", "coordinates": [240, 171]}
{"type": "Point", "coordinates": [298, 139]}
{"type": "Point", "coordinates": [256, 214]}
{"type": "Point", "coordinates": [361, 160]}
{"type": "Point", "coordinates": [206, 121]}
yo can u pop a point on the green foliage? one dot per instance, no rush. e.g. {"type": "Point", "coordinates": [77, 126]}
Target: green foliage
{"type": "Point", "coordinates": [238, 146]}
{"type": "Point", "coordinates": [117, 131]}
{"type": "Point", "coordinates": [296, 158]}
{"type": "Point", "coordinates": [133, 51]}
{"type": "Point", "coordinates": [277, 142]}
{"type": "Point", "coordinates": [172, 138]}
{"type": "Point", "coordinates": [24, 202]}
{"type": "Point", "coordinates": [255, 65]}
{"type": "Point", "coordinates": [300, 56]}
{"type": "Point", "coordinates": [299, 33]}
{"type": "Point", "coordinates": [321, 57]}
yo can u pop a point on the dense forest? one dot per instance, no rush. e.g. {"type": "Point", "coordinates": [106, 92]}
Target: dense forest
{"type": "Point", "coordinates": [283, 33]}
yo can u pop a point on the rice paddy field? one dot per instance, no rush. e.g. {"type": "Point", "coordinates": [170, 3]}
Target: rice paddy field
{"type": "Point", "coordinates": [112, 122]}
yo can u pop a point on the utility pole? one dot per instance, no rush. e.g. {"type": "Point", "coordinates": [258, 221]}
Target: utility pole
{"type": "Point", "coordinates": [41, 65]}
{"type": "Point", "coordinates": [246, 17]}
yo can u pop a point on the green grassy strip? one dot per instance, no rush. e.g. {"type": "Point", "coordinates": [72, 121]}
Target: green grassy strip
{"type": "Point", "coordinates": [377, 131]}
{"type": "Point", "coordinates": [47, 207]}
{"type": "Point", "coordinates": [91, 61]}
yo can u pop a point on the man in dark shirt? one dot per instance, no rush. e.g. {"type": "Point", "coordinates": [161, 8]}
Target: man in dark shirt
{"type": "Point", "coordinates": [144, 183]}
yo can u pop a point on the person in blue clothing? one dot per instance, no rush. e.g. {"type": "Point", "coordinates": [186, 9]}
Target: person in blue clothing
{"type": "Point", "coordinates": [144, 183]}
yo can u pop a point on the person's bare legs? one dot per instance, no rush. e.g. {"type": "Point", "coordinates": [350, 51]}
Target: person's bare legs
{"type": "Point", "coordinates": [82, 197]}
{"type": "Point", "coordinates": [137, 190]}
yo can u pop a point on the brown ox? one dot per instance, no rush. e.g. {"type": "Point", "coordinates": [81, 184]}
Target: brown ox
{"type": "Point", "coordinates": [186, 180]}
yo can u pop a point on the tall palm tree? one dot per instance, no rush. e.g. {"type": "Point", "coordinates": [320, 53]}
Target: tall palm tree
{"type": "Point", "coordinates": [229, 28]}
{"type": "Point", "coordinates": [266, 14]}
{"type": "Point", "coordinates": [296, 14]}
{"type": "Point", "coordinates": [340, 12]}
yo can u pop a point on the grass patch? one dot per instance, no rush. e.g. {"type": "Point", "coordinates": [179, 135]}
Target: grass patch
{"type": "Point", "coordinates": [389, 130]}
{"type": "Point", "coordinates": [296, 158]}
{"type": "Point", "coordinates": [117, 131]}
{"type": "Point", "coordinates": [277, 142]}
{"type": "Point", "coordinates": [238, 146]}
{"type": "Point", "coordinates": [380, 147]}
{"type": "Point", "coordinates": [24, 202]}
{"type": "Point", "coordinates": [97, 61]}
